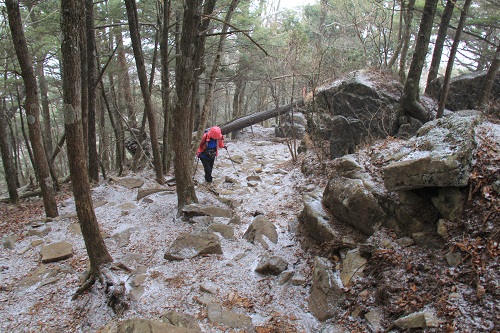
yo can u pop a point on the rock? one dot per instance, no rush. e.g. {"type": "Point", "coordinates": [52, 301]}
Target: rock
{"type": "Point", "coordinates": [196, 209]}
{"type": "Point", "coordinates": [284, 277]}
{"type": "Point", "coordinates": [188, 246]}
{"type": "Point", "coordinates": [375, 318]}
{"type": "Point", "coordinates": [143, 326]}
{"type": "Point", "coordinates": [453, 258]}
{"type": "Point", "coordinates": [405, 241]}
{"type": "Point", "coordinates": [122, 238]}
{"type": "Point", "coordinates": [40, 276]}
{"type": "Point", "coordinates": [357, 108]}
{"type": "Point", "coordinates": [261, 226]}
{"type": "Point", "coordinates": [74, 229]}
{"type": "Point", "coordinates": [144, 193]}
{"type": "Point", "coordinates": [349, 195]}
{"type": "Point", "coordinates": [220, 316]}
{"type": "Point", "coordinates": [225, 230]}
{"type": "Point", "coordinates": [237, 159]}
{"type": "Point", "coordinates": [442, 229]}
{"type": "Point", "coordinates": [254, 179]}
{"type": "Point", "coordinates": [209, 287]}
{"type": "Point", "coordinates": [449, 202]}
{"type": "Point", "coordinates": [314, 218]}
{"type": "Point", "coordinates": [326, 290]}
{"type": "Point", "coordinates": [291, 126]}
{"type": "Point", "coordinates": [352, 267]}
{"type": "Point", "coordinates": [439, 156]}
{"type": "Point", "coordinates": [180, 320]}
{"type": "Point", "coordinates": [37, 242]}
{"type": "Point", "coordinates": [39, 232]}
{"type": "Point", "coordinates": [129, 183]}
{"type": "Point", "coordinates": [9, 242]}
{"type": "Point", "coordinates": [422, 319]}
{"type": "Point", "coordinates": [464, 90]}
{"type": "Point", "coordinates": [56, 252]}
{"type": "Point", "coordinates": [273, 265]}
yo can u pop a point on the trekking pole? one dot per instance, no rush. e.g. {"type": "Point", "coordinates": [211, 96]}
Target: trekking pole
{"type": "Point", "coordinates": [232, 162]}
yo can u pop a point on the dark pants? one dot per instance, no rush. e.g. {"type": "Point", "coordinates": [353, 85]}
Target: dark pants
{"type": "Point", "coordinates": [208, 165]}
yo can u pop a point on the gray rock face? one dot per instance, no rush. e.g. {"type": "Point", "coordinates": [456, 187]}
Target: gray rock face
{"type": "Point", "coordinates": [421, 181]}
{"type": "Point", "coordinates": [357, 108]}
{"type": "Point", "coordinates": [56, 252]}
{"type": "Point", "coordinates": [188, 246]}
{"type": "Point", "coordinates": [464, 90]}
{"type": "Point", "coordinates": [326, 290]}
{"type": "Point", "coordinates": [350, 196]}
{"type": "Point", "coordinates": [315, 219]}
{"type": "Point", "coordinates": [440, 155]}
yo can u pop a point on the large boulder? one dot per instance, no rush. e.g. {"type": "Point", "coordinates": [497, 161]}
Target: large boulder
{"type": "Point", "coordinates": [360, 107]}
{"type": "Point", "coordinates": [439, 156]}
{"type": "Point", "coordinates": [464, 90]}
{"type": "Point", "coordinates": [326, 290]}
{"type": "Point", "coordinates": [351, 198]}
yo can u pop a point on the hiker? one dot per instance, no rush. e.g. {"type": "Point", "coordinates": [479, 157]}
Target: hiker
{"type": "Point", "coordinates": [209, 148]}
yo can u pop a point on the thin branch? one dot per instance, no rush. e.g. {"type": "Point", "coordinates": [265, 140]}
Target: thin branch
{"type": "Point", "coordinates": [243, 32]}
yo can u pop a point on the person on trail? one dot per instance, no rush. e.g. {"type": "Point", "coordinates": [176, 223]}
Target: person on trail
{"type": "Point", "coordinates": [209, 149]}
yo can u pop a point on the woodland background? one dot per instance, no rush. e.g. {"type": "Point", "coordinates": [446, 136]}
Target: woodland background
{"type": "Point", "coordinates": [91, 88]}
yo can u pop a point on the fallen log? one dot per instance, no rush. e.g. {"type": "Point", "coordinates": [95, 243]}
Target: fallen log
{"type": "Point", "coordinates": [257, 117]}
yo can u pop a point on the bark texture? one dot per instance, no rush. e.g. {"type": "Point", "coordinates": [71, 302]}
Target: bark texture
{"type": "Point", "coordinates": [32, 108]}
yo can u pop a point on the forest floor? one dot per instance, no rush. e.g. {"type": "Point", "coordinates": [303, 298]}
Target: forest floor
{"type": "Point", "coordinates": [37, 297]}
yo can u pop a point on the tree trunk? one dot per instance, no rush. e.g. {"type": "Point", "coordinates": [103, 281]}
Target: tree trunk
{"type": "Point", "coordinates": [485, 91]}
{"type": "Point", "coordinates": [96, 249]}
{"type": "Point", "coordinates": [451, 58]}
{"type": "Point", "coordinates": [438, 47]}
{"type": "Point", "coordinates": [165, 87]}
{"type": "Point", "coordinates": [406, 38]}
{"type": "Point", "coordinates": [32, 108]}
{"type": "Point", "coordinates": [99, 257]}
{"type": "Point", "coordinates": [397, 51]}
{"type": "Point", "coordinates": [187, 72]}
{"type": "Point", "coordinates": [409, 98]}
{"type": "Point", "coordinates": [207, 104]}
{"type": "Point", "coordinates": [255, 118]}
{"type": "Point", "coordinates": [91, 87]}
{"type": "Point", "coordinates": [124, 79]}
{"type": "Point", "coordinates": [9, 166]}
{"type": "Point", "coordinates": [141, 71]}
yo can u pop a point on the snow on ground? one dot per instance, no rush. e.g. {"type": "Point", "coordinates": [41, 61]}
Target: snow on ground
{"type": "Point", "coordinates": [138, 234]}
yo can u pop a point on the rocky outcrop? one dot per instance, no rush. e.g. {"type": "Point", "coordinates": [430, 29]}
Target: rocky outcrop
{"type": "Point", "coordinates": [414, 183]}
{"type": "Point", "coordinates": [439, 156]}
{"type": "Point", "coordinates": [358, 108]}
{"type": "Point", "coordinates": [464, 90]}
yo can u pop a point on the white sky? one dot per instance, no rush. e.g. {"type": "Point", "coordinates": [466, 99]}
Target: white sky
{"type": "Point", "coordinates": [295, 3]}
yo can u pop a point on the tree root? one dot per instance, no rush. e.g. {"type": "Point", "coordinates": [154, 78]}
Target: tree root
{"type": "Point", "coordinates": [114, 288]}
